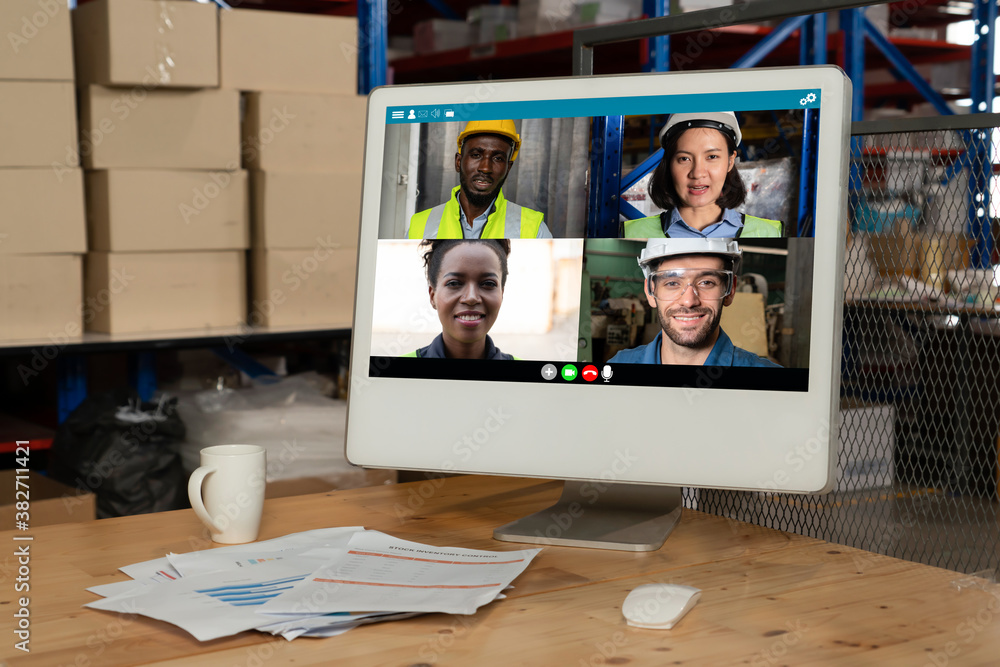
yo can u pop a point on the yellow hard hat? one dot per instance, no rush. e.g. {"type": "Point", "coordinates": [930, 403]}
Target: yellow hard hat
{"type": "Point", "coordinates": [505, 128]}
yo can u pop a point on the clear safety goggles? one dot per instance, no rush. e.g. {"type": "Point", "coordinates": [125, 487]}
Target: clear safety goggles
{"type": "Point", "coordinates": [708, 284]}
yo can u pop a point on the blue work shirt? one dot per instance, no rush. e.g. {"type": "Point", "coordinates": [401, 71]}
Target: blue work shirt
{"type": "Point", "coordinates": [723, 353]}
{"type": "Point", "coordinates": [728, 227]}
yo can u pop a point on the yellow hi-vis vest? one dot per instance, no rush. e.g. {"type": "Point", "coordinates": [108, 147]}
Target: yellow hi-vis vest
{"type": "Point", "coordinates": [753, 227]}
{"type": "Point", "coordinates": [508, 221]}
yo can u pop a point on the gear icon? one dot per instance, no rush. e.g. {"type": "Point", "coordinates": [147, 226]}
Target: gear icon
{"type": "Point", "coordinates": [811, 97]}
{"type": "Point", "coordinates": [803, 101]}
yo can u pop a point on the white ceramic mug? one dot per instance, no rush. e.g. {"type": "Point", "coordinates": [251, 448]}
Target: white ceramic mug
{"type": "Point", "coordinates": [227, 491]}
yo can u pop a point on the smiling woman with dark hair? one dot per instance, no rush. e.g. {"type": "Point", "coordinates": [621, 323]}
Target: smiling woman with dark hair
{"type": "Point", "coordinates": [697, 184]}
{"type": "Point", "coordinates": [465, 282]}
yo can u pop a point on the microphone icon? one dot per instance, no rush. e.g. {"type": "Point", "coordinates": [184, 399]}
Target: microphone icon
{"type": "Point", "coordinates": [606, 373]}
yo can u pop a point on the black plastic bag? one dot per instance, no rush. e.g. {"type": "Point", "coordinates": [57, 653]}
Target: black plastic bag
{"type": "Point", "coordinates": [124, 452]}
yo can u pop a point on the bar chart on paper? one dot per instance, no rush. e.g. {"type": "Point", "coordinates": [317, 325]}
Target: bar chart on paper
{"type": "Point", "coordinates": [250, 594]}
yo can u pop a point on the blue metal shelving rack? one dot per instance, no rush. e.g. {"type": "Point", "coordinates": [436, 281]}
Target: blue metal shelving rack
{"type": "Point", "coordinates": [983, 78]}
{"type": "Point", "coordinates": [373, 41]}
{"type": "Point", "coordinates": [809, 18]}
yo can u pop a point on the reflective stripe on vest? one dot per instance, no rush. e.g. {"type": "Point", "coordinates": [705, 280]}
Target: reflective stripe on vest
{"type": "Point", "coordinates": [753, 227]}
{"type": "Point", "coordinates": [508, 221]}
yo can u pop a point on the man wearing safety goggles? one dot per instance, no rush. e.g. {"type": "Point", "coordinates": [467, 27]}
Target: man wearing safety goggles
{"type": "Point", "coordinates": [688, 281]}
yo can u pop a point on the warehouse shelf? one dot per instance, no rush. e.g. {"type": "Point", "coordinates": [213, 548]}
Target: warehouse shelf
{"type": "Point", "coordinates": [930, 13]}
{"type": "Point", "coordinates": [550, 55]}
{"type": "Point", "coordinates": [903, 91]}
{"type": "Point", "coordinates": [937, 155]}
{"type": "Point", "coordinates": [130, 342]}
{"type": "Point", "coordinates": [13, 429]}
{"type": "Point", "coordinates": [68, 356]}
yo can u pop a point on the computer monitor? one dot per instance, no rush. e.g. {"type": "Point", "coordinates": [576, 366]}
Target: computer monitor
{"type": "Point", "coordinates": [550, 399]}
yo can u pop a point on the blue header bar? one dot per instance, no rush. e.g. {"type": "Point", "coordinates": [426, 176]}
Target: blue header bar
{"type": "Point", "coordinates": [647, 105]}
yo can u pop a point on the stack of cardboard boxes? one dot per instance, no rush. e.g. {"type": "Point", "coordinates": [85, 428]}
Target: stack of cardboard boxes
{"type": "Point", "coordinates": [42, 235]}
{"type": "Point", "coordinates": [167, 210]}
{"type": "Point", "coordinates": [303, 140]}
{"type": "Point", "coordinates": [167, 204]}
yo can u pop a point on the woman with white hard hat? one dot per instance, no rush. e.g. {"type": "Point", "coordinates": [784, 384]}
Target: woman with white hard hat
{"type": "Point", "coordinates": [697, 185]}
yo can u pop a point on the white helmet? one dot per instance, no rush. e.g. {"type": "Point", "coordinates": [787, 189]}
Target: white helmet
{"type": "Point", "coordinates": [657, 249]}
{"type": "Point", "coordinates": [723, 121]}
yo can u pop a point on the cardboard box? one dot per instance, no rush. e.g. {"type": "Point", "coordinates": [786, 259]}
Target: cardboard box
{"type": "Point", "coordinates": [39, 43]}
{"type": "Point", "coordinates": [280, 51]}
{"type": "Point", "coordinates": [139, 210]}
{"type": "Point", "coordinates": [40, 296]}
{"type": "Point", "coordinates": [50, 502]}
{"type": "Point", "coordinates": [159, 129]}
{"type": "Point", "coordinates": [42, 212]}
{"type": "Point", "coordinates": [897, 252]}
{"type": "Point", "coordinates": [150, 44]}
{"type": "Point", "coordinates": [164, 291]}
{"type": "Point", "coordinates": [38, 124]}
{"type": "Point", "coordinates": [941, 253]}
{"type": "Point", "coordinates": [298, 132]}
{"type": "Point", "coordinates": [313, 287]}
{"type": "Point", "coordinates": [746, 324]}
{"type": "Point", "coordinates": [295, 210]}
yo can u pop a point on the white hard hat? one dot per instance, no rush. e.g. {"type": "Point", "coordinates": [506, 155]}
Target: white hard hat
{"type": "Point", "coordinates": [657, 249]}
{"type": "Point", "coordinates": [723, 121]}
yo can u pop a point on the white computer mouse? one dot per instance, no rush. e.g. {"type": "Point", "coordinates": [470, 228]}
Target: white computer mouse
{"type": "Point", "coordinates": [659, 606]}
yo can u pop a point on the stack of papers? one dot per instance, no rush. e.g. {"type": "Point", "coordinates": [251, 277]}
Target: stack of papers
{"type": "Point", "coordinates": [319, 583]}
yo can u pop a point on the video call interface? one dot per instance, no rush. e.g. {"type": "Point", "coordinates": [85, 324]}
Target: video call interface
{"type": "Point", "coordinates": [529, 292]}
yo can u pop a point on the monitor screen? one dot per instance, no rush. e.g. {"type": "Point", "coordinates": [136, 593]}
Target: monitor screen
{"type": "Point", "coordinates": [629, 279]}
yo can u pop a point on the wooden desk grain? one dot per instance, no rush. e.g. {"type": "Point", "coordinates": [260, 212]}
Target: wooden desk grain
{"type": "Point", "coordinates": [770, 598]}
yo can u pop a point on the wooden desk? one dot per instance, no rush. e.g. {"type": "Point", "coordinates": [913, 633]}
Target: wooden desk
{"type": "Point", "coordinates": [769, 598]}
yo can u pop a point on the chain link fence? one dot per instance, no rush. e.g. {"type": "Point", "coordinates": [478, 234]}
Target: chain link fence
{"type": "Point", "coordinates": [920, 388]}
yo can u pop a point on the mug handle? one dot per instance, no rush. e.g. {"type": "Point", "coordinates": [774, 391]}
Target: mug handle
{"type": "Point", "coordinates": [194, 495]}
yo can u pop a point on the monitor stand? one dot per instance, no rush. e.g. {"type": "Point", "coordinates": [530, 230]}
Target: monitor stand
{"type": "Point", "coordinates": [599, 515]}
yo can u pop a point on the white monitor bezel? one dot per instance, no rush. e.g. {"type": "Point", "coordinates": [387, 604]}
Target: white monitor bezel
{"type": "Point", "coordinates": [738, 439]}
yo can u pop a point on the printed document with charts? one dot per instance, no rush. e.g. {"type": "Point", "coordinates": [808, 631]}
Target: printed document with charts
{"type": "Point", "coordinates": [318, 583]}
{"type": "Point", "coordinates": [381, 573]}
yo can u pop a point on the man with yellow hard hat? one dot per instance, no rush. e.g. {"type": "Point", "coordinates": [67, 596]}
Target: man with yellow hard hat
{"type": "Point", "coordinates": [477, 208]}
